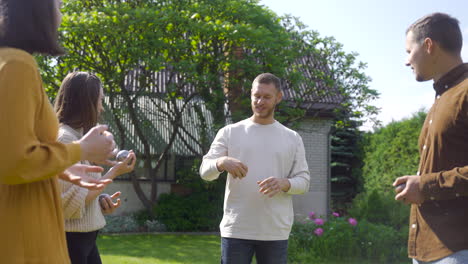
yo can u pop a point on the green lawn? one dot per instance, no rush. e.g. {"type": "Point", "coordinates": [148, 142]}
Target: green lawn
{"type": "Point", "coordinates": [156, 249]}
{"type": "Point", "coordinates": [168, 249]}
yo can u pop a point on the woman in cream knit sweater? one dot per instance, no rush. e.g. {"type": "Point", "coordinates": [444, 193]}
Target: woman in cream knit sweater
{"type": "Point", "coordinates": [78, 106]}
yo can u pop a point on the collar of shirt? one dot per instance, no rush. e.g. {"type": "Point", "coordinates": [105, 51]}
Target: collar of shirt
{"type": "Point", "coordinates": [451, 78]}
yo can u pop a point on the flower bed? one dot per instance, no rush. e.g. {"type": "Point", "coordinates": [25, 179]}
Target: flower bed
{"type": "Point", "coordinates": [345, 238]}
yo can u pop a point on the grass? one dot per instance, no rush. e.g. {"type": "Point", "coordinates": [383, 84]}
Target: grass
{"type": "Point", "coordinates": [159, 249]}
{"type": "Point", "coordinates": [169, 249]}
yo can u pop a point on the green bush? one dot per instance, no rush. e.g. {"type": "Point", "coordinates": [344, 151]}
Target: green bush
{"type": "Point", "coordinates": [343, 242]}
{"type": "Point", "coordinates": [381, 208]}
{"type": "Point", "coordinates": [390, 152]}
{"type": "Point", "coordinates": [120, 224]}
{"type": "Point", "coordinates": [137, 222]}
{"type": "Point", "coordinates": [142, 216]}
{"type": "Point", "coordinates": [195, 212]}
{"type": "Point", "coordinates": [382, 232]}
{"type": "Point", "coordinates": [201, 210]}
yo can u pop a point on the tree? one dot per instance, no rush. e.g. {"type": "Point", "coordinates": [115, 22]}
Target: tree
{"type": "Point", "coordinates": [341, 71]}
{"type": "Point", "coordinates": [179, 56]}
{"type": "Point", "coordinates": [336, 69]}
{"type": "Point", "coordinates": [346, 164]}
{"type": "Point", "coordinates": [173, 53]}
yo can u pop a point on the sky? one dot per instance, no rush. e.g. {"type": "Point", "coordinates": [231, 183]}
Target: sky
{"type": "Point", "coordinates": [376, 31]}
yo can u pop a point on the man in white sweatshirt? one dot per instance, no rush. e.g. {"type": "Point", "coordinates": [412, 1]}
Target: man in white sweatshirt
{"type": "Point", "coordinates": [266, 165]}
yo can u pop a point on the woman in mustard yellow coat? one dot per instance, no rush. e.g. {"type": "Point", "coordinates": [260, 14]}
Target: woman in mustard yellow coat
{"type": "Point", "coordinates": [31, 220]}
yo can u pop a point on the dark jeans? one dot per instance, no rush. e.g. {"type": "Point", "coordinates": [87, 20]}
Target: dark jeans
{"type": "Point", "coordinates": [241, 251]}
{"type": "Point", "coordinates": [82, 248]}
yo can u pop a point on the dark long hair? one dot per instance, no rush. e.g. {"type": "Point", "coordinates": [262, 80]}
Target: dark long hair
{"type": "Point", "coordinates": [30, 25]}
{"type": "Point", "coordinates": [76, 104]}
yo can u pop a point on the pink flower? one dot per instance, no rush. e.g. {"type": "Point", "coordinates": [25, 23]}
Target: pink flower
{"type": "Point", "coordinates": [335, 214]}
{"type": "Point", "coordinates": [318, 231]}
{"type": "Point", "coordinates": [312, 215]}
{"type": "Point", "coordinates": [352, 221]}
{"type": "Point", "coordinates": [319, 221]}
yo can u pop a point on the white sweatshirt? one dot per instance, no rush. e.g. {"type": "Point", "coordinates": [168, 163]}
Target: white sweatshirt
{"type": "Point", "coordinates": [268, 151]}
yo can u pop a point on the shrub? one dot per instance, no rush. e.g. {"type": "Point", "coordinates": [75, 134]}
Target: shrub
{"type": "Point", "coordinates": [195, 212]}
{"type": "Point", "coordinates": [344, 239]}
{"type": "Point", "coordinates": [120, 224]}
{"type": "Point", "coordinates": [200, 210]}
{"type": "Point", "coordinates": [138, 222]}
{"type": "Point", "coordinates": [154, 226]}
{"type": "Point", "coordinates": [381, 208]}
{"type": "Point", "coordinates": [390, 152]}
{"type": "Point", "coordinates": [142, 216]}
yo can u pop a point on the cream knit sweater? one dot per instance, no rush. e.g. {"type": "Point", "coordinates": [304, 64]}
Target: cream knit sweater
{"type": "Point", "coordinates": [78, 216]}
{"type": "Point", "coordinates": [268, 151]}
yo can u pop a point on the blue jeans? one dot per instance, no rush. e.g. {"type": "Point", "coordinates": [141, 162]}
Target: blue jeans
{"type": "Point", "coordinates": [459, 257]}
{"type": "Point", "coordinates": [241, 251]}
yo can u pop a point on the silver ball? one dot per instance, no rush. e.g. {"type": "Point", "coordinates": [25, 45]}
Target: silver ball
{"type": "Point", "coordinates": [123, 154]}
{"type": "Point", "coordinates": [400, 187]}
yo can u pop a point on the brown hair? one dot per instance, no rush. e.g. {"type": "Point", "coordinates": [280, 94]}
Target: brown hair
{"type": "Point", "coordinates": [268, 78]}
{"type": "Point", "coordinates": [441, 28]}
{"type": "Point", "coordinates": [77, 100]}
{"type": "Point", "coordinates": [30, 25]}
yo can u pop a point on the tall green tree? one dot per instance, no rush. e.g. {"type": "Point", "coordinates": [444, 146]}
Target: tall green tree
{"type": "Point", "coordinates": [346, 164]}
{"type": "Point", "coordinates": [343, 72]}
{"type": "Point", "coordinates": [192, 42]}
{"type": "Point", "coordinates": [190, 54]}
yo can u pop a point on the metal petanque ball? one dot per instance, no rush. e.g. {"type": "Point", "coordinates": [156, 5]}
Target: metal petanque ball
{"type": "Point", "coordinates": [400, 187]}
{"type": "Point", "coordinates": [123, 154]}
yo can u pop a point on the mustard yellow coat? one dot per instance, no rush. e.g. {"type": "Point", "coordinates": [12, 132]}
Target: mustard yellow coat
{"type": "Point", "coordinates": [31, 221]}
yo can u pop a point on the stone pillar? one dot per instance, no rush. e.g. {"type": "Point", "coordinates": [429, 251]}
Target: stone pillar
{"type": "Point", "coordinates": [315, 134]}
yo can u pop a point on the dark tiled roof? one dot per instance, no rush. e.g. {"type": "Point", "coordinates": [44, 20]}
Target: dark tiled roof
{"type": "Point", "coordinates": [315, 91]}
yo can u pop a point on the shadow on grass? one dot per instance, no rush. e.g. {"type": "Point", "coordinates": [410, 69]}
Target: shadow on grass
{"type": "Point", "coordinates": [158, 248]}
